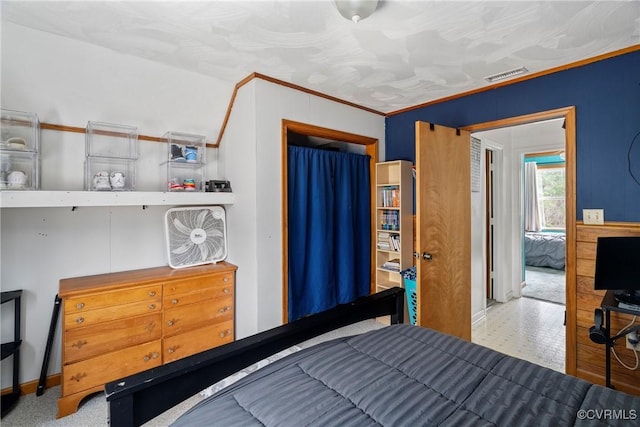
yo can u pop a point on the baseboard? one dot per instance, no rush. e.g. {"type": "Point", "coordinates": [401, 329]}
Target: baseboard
{"type": "Point", "coordinates": [32, 386]}
{"type": "Point", "coordinates": [475, 318]}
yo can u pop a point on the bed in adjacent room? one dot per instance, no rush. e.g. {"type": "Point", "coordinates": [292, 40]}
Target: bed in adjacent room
{"type": "Point", "coordinates": [544, 249]}
{"type": "Point", "coordinates": [393, 376]}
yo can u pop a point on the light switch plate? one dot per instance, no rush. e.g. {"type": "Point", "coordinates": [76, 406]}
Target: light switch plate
{"type": "Point", "coordinates": [593, 216]}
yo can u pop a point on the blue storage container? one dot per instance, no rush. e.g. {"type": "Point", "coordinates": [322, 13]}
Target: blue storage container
{"type": "Point", "coordinates": [409, 281]}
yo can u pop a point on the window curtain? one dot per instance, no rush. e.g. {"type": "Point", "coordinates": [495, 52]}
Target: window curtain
{"type": "Point", "coordinates": [329, 214]}
{"type": "Point", "coordinates": [532, 217]}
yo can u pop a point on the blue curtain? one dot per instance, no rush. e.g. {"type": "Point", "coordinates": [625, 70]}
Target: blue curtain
{"type": "Point", "coordinates": [329, 208]}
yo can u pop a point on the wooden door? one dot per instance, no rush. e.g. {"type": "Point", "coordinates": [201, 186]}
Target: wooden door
{"type": "Point", "coordinates": [443, 229]}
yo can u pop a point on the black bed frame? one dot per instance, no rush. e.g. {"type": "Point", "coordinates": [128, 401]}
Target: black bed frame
{"type": "Point", "coordinates": [138, 398]}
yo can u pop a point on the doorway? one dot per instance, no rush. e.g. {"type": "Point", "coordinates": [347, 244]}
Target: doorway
{"type": "Point", "coordinates": [509, 276]}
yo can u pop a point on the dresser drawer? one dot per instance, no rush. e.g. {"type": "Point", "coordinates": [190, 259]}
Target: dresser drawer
{"type": "Point", "coordinates": [214, 282]}
{"type": "Point", "coordinates": [109, 367]}
{"type": "Point", "coordinates": [82, 343]}
{"type": "Point", "coordinates": [187, 317]}
{"type": "Point", "coordinates": [209, 291]}
{"type": "Point", "coordinates": [116, 312]}
{"type": "Point", "coordinates": [95, 300]}
{"type": "Point", "coordinates": [183, 345]}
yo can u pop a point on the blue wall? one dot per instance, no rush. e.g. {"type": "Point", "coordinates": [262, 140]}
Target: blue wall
{"type": "Point", "coordinates": [606, 95]}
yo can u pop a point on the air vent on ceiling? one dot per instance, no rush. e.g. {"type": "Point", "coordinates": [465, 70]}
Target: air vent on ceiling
{"type": "Point", "coordinates": [506, 74]}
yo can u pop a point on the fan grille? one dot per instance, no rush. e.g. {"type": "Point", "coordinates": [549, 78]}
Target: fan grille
{"type": "Point", "coordinates": [195, 236]}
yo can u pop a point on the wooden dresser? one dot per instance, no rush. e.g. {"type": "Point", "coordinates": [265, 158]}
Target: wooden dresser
{"type": "Point", "coordinates": [117, 324]}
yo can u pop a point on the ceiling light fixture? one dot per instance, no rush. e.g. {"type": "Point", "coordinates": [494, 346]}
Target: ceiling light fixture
{"type": "Point", "coordinates": [356, 10]}
{"type": "Point", "coordinates": [506, 74]}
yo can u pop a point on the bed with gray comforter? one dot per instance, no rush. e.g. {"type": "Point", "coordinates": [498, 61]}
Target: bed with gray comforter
{"type": "Point", "coordinates": [545, 249]}
{"type": "Point", "coordinates": [405, 375]}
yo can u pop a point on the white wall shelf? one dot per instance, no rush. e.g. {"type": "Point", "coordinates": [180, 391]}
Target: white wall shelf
{"type": "Point", "coordinates": [45, 199]}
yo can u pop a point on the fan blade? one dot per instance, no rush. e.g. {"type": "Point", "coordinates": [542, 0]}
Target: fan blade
{"type": "Point", "coordinates": [181, 227]}
{"type": "Point", "coordinates": [201, 217]}
{"type": "Point", "coordinates": [204, 251]}
{"type": "Point", "coordinates": [182, 248]}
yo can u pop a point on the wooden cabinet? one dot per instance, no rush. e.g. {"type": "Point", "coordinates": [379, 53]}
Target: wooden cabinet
{"type": "Point", "coordinates": [118, 324]}
{"type": "Point", "coordinates": [394, 222]}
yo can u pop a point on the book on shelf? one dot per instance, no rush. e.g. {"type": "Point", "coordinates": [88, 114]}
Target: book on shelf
{"type": "Point", "coordinates": [390, 196]}
{"type": "Point", "coordinates": [392, 264]}
{"type": "Point", "coordinates": [395, 241]}
{"type": "Point", "coordinates": [388, 241]}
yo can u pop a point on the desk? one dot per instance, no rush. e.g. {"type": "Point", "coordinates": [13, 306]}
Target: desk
{"type": "Point", "coordinates": [609, 304]}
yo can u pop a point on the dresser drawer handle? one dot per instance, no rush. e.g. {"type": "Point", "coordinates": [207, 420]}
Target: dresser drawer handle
{"type": "Point", "coordinates": [79, 344]}
{"type": "Point", "coordinates": [225, 333]}
{"type": "Point", "coordinates": [174, 301]}
{"type": "Point", "coordinates": [80, 305]}
{"type": "Point", "coordinates": [172, 349]}
{"type": "Point", "coordinates": [150, 356]}
{"type": "Point", "coordinates": [78, 377]}
{"type": "Point", "coordinates": [152, 306]}
{"type": "Point", "coordinates": [171, 322]}
{"type": "Point", "coordinates": [152, 293]}
{"type": "Point", "coordinates": [226, 290]}
{"type": "Point", "coordinates": [80, 320]}
{"type": "Point", "coordinates": [223, 309]}
{"type": "Point", "coordinates": [226, 279]}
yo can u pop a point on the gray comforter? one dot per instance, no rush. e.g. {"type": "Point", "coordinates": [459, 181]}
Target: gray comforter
{"type": "Point", "coordinates": [545, 249]}
{"type": "Point", "coordinates": [406, 375]}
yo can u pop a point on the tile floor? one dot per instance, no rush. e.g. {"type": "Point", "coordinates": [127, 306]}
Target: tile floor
{"type": "Point", "coordinates": [526, 328]}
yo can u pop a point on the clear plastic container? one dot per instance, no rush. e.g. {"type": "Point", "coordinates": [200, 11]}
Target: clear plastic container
{"type": "Point", "coordinates": [19, 131]}
{"type": "Point", "coordinates": [110, 174]}
{"type": "Point", "coordinates": [19, 170]}
{"type": "Point", "coordinates": [111, 140]}
{"type": "Point", "coordinates": [185, 164]}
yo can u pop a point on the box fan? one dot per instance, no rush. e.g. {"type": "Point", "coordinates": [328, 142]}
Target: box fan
{"type": "Point", "coordinates": [195, 235]}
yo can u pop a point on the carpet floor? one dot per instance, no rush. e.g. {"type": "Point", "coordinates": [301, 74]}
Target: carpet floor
{"type": "Point", "coordinates": [547, 284]}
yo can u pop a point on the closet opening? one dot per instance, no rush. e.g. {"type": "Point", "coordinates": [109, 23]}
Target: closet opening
{"type": "Point", "coordinates": [301, 135]}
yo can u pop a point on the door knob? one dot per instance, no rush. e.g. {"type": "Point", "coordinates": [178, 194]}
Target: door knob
{"type": "Point", "coordinates": [427, 256]}
{"type": "Point", "coordinates": [416, 255]}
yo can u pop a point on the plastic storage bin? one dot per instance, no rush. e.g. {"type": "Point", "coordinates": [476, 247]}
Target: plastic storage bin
{"type": "Point", "coordinates": [19, 151]}
{"type": "Point", "coordinates": [111, 140]}
{"type": "Point", "coordinates": [19, 131]}
{"type": "Point", "coordinates": [186, 162]}
{"type": "Point", "coordinates": [409, 281]}
{"type": "Point", "coordinates": [111, 155]}
{"type": "Point", "coordinates": [110, 174]}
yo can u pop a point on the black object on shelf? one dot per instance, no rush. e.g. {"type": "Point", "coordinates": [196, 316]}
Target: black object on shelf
{"type": "Point", "coordinates": [216, 186]}
{"type": "Point", "coordinates": [12, 349]}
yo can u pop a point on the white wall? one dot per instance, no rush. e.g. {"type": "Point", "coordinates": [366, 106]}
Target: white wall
{"type": "Point", "coordinates": [255, 161]}
{"type": "Point", "coordinates": [69, 83]}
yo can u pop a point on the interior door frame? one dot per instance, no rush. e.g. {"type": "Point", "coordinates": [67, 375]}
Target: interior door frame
{"type": "Point", "coordinates": [371, 149]}
{"type": "Point", "coordinates": [569, 115]}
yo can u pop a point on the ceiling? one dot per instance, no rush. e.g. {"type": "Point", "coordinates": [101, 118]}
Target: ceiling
{"type": "Point", "coordinates": [406, 53]}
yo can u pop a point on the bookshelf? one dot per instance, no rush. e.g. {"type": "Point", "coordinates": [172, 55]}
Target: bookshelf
{"type": "Point", "coordinates": [394, 222]}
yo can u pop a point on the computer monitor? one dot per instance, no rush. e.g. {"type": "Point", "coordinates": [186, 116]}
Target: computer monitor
{"type": "Point", "coordinates": [618, 267]}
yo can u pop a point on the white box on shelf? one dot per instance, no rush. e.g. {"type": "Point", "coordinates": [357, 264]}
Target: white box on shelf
{"type": "Point", "coordinates": [184, 169]}
{"type": "Point", "coordinates": [111, 140]}
{"type": "Point", "coordinates": [110, 174]}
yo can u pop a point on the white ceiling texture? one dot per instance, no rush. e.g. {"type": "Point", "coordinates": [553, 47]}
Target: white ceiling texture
{"type": "Point", "coordinates": [406, 53]}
